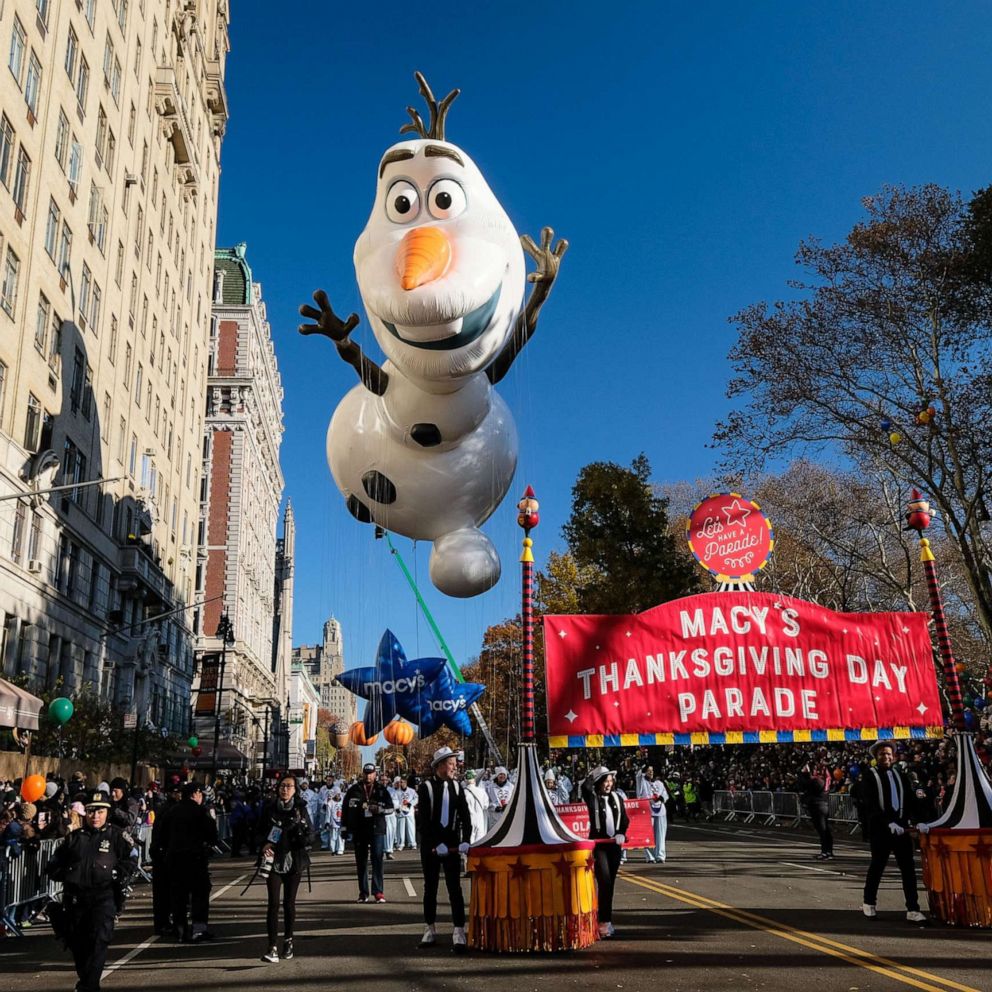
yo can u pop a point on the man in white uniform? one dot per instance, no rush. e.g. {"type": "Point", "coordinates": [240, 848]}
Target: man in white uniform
{"type": "Point", "coordinates": [405, 800]}
{"type": "Point", "coordinates": [649, 786]}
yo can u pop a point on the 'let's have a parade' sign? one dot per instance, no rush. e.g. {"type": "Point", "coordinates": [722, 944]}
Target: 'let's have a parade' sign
{"type": "Point", "coordinates": [730, 537]}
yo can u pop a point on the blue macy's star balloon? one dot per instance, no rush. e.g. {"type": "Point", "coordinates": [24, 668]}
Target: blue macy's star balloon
{"type": "Point", "coordinates": [444, 703]}
{"type": "Point", "coordinates": [393, 685]}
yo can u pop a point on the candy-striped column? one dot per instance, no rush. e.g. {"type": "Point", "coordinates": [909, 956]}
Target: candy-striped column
{"type": "Point", "coordinates": [951, 681]}
{"type": "Point", "coordinates": [918, 516]}
{"type": "Point", "coordinates": [528, 519]}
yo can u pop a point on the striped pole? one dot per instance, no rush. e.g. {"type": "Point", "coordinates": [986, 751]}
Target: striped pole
{"type": "Point", "coordinates": [951, 680]}
{"type": "Point", "coordinates": [918, 519]}
{"type": "Point", "coordinates": [528, 519]}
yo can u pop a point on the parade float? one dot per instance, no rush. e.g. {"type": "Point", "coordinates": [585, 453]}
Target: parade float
{"type": "Point", "coordinates": [956, 848]}
{"type": "Point", "coordinates": [533, 886]}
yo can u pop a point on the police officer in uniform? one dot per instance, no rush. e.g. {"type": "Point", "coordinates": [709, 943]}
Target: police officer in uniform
{"type": "Point", "coordinates": [93, 863]}
{"type": "Point", "coordinates": [161, 887]}
{"type": "Point", "coordinates": [189, 833]}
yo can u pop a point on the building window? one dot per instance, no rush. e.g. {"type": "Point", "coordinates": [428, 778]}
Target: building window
{"type": "Point", "coordinates": [127, 365]}
{"type": "Point", "coordinates": [17, 538]}
{"type": "Point", "coordinates": [115, 81]}
{"type": "Point", "coordinates": [52, 228]}
{"type": "Point", "coordinates": [95, 304]}
{"type": "Point", "coordinates": [84, 295]}
{"type": "Point", "coordinates": [18, 44]}
{"type": "Point", "coordinates": [76, 389]}
{"type": "Point", "coordinates": [55, 344]}
{"type": "Point", "coordinates": [82, 84]}
{"type": "Point", "coordinates": [34, 537]}
{"type": "Point", "coordinates": [65, 250]}
{"type": "Point", "coordinates": [90, 12]}
{"type": "Point", "coordinates": [121, 440]}
{"type": "Point", "coordinates": [138, 378]}
{"type": "Point", "coordinates": [32, 86]}
{"type": "Point", "coordinates": [73, 469]}
{"type": "Point", "coordinates": [22, 177]}
{"type": "Point", "coordinates": [6, 149]}
{"type": "Point", "coordinates": [101, 136]}
{"type": "Point", "coordinates": [3, 396]}
{"type": "Point", "coordinates": [112, 351]}
{"type": "Point", "coordinates": [75, 165]}
{"type": "Point", "coordinates": [41, 323]}
{"type": "Point", "coordinates": [44, 7]}
{"type": "Point", "coordinates": [71, 54]}
{"type": "Point", "coordinates": [32, 425]}
{"type": "Point", "coordinates": [119, 264]}
{"type": "Point", "coordinates": [105, 419]}
{"type": "Point", "coordinates": [132, 458]}
{"type": "Point", "coordinates": [8, 289]}
{"type": "Point", "coordinates": [62, 140]}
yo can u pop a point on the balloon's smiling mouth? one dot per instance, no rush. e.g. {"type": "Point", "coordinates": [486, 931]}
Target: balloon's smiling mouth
{"type": "Point", "coordinates": [454, 334]}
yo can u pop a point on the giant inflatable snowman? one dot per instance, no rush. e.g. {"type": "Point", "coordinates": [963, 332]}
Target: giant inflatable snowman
{"type": "Point", "coordinates": [424, 446]}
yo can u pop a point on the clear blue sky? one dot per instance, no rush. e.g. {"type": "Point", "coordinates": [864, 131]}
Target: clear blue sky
{"type": "Point", "coordinates": [683, 153]}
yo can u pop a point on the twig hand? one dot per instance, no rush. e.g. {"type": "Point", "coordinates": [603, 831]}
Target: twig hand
{"type": "Point", "coordinates": [328, 322]}
{"type": "Point", "coordinates": [547, 258]}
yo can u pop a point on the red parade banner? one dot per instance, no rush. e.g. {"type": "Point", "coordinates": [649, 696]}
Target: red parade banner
{"type": "Point", "coordinates": [640, 833]}
{"type": "Point", "coordinates": [728, 666]}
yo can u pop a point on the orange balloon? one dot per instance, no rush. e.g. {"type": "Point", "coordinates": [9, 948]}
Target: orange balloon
{"type": "Point", "coordinates": [398, 732]}
{"type": "Point", "coordinates": [358, 735]}
{"type": "Point", "coordinates": [33, 788]}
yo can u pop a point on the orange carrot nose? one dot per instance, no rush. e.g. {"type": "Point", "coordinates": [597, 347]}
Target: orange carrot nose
{"type": "Point", "coordinates": [424, 255]}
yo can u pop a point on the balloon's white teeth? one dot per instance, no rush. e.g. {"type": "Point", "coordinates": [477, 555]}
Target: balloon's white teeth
{"type": "Point", "coordinates": [430, 332]}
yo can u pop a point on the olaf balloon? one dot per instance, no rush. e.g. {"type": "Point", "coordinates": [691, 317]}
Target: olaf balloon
{"type": "Point", "coordinates": [424, 446]}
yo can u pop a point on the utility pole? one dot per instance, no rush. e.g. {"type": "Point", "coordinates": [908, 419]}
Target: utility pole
{"type": "Point", "coordinates": [225, 631]}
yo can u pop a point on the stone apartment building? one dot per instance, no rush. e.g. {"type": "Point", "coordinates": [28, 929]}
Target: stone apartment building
{"type": "Point", "coordinates": [324, 662]}
{"type": "Point", "coordinates": [112, 116]}
{"type": "Point", "coordinates": [241, 493]}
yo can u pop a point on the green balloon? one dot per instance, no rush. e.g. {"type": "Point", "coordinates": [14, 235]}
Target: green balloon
{"type": "Point", "coordinates": [193, 741]}
{"type": "Point", "coordinates": [61, 710]}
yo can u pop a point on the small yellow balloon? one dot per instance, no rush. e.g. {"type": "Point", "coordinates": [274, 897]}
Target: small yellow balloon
{"type": "Point", "coordinates": [895, 437]}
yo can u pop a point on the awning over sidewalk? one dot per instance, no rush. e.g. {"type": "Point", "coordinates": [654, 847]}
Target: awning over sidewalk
{"type": "Point", "coordinates": [228, 757]}
{"type": "Point", "coordinates": [18, 708]}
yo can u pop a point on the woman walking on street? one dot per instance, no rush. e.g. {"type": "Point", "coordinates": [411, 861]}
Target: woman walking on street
{"type": "Point", "coordinates": [285, 834]}
{"type": "Point", "coordinates": [608, 824]}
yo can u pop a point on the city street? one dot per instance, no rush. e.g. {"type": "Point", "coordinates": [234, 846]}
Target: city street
{"type": "Point", "coordinates": [734, 909]}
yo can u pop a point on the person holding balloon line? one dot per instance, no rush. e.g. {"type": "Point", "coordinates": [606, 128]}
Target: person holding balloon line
{"type": "Point", "coordinates": [608, 824]}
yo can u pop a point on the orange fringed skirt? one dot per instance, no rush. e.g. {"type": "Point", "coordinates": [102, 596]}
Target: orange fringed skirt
{"type": "Point", "coordinates": [533, 898]}
{"type": "Point", "coordinates": [957, 873]}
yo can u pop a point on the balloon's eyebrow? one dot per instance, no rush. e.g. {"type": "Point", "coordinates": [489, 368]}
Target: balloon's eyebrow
{"type": "Point", "coordinates": [397, 155]}
{"type": "Point", "coordinates": [439, 151]}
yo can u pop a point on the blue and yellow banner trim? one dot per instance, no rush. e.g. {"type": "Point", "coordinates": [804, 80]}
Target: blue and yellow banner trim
{"type": "Point", "coordinates": [748, 737]}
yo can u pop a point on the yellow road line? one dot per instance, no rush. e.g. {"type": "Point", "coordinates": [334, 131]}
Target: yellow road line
{"type": "Point", "coordinates": [845, 952]}
{"type": "Point", "coordinates": [764, 920]}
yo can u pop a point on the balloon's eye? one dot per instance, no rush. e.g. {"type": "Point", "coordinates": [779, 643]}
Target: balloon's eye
{"type": "Point", "coordinates": [446, 199]}
{"type": "Point", "coordinates": [402, 202]}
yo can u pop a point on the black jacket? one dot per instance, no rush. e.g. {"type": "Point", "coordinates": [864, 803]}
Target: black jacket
{"type": "Point", "coordinates": [597, 812]}
{"type": "Point", "coordinates": [295, 832]}
{"type": "Point", "coordinates": [377, 803]}
{"type": "Point", "coordinates": [92, 860]}
{"type": "Point", "coordinates": [879, 807]}
{"type": "Point", "coordinates": [187, 830]}
{"type": "Point", "coordinates": [429, 808]}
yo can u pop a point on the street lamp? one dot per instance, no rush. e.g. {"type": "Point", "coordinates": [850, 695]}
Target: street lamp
{"type": "Point", "coordinates": [225, 631]}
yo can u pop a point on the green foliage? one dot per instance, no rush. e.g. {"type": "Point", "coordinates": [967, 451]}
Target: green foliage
{"type": "Point", "coordinates": [96, 731]}
{"type": "Point", "coordinates": [618, 534]}
{"type": "Point", "coordinates": [894, 319]}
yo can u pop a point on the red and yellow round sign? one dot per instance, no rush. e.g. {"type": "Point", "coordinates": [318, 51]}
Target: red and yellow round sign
{"type": "Point", "coordinates": [730, 537]}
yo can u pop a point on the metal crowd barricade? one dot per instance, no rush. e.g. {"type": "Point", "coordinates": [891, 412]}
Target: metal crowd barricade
{"type": "Point", "coordinates": [25, 888]}
{"type": "Point", "coordinates": [762, 808]}
{"type": "Point", "coordinates": [773, 808]}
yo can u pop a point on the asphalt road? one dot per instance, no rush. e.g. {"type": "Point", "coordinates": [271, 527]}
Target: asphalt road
{"type": "Point", "coordinates": [733, 909]}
